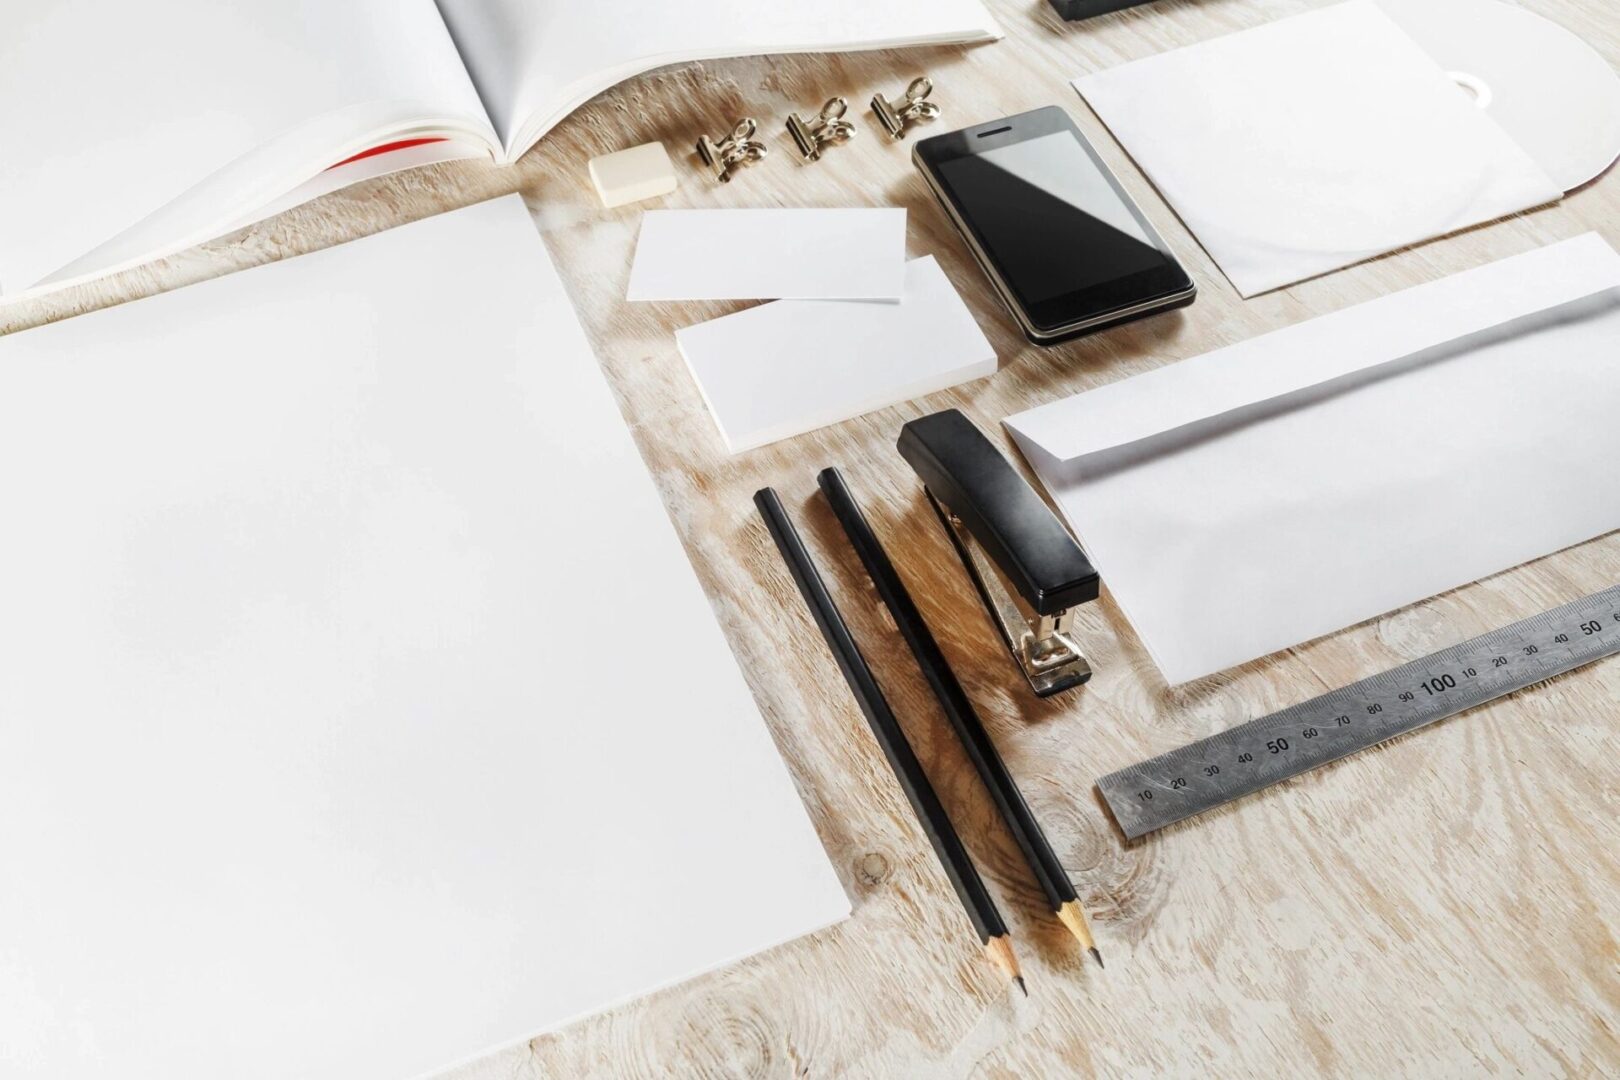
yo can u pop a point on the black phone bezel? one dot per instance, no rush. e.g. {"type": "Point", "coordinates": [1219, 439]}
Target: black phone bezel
{"type": "Point", "coordinates": [1093, 303]}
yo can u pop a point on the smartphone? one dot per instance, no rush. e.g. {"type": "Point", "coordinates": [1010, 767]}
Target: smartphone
{"type": "Point", "coordinates": [1066, 248]}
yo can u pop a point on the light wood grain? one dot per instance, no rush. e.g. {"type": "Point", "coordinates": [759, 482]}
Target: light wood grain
{"type": "Point", "coordinates": [1444, 906]}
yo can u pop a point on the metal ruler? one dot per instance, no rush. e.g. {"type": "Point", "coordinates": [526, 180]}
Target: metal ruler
{"type": "Point", "coordinates": [1210, 772]}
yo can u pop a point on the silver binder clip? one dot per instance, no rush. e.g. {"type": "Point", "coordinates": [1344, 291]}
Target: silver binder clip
{"type": "Point", "coordinates": [827, 128]}
{"type": "Point", "coordinates": [913, 108]}
{"type": "Point", "coordinates": [733, 151]}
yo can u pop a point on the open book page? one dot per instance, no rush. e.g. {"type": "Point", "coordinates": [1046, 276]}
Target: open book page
{"type": "Point", "coordinates": [112, 111]}
{"type": "Point", "coordinates": [534, 61]}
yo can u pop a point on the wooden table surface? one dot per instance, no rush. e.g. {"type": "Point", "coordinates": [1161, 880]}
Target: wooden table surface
{"type": "Point", "coordinates": [1446, 905]}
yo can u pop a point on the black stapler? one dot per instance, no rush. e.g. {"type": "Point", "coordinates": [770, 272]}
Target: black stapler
{"type": "Point", "coordinates": [1006, 536]}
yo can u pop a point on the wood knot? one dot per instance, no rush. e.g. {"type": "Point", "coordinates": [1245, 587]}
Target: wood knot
{"type": "Point", "coordinates": [873, 868]}
{"type": "Point", "coordinates": [1416, 630]}
{"type": "Point", "coordinates": [733, 1033]}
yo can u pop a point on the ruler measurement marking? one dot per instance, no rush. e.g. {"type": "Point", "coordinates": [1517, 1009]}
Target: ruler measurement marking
{"type": "Point", "coordinates": [1250, 757]}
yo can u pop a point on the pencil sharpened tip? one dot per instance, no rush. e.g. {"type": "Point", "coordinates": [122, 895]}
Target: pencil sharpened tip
{"type": "Point", "coordinates": [1097, 956]}
{"type": "Point", "coordinates": [1019, 979]}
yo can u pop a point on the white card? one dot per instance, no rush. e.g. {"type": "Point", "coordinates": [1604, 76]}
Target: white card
{"type": "Point", "coordinates": [1313, 143]}
{"type": "Point", "coordinates": [844, 254]}
{"type": "Point", "coordinates": [320, 755]}
{"type": "Point", "coordinates": [785, 368]}
{"type": "Point", "coordinates": [1273, 491]}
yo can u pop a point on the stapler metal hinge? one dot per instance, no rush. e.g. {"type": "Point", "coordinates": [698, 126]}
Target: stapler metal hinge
{"type": "Point", "coordinates": [1027, 569]}
{"type": "Point", "coordinates": [1041, 645]}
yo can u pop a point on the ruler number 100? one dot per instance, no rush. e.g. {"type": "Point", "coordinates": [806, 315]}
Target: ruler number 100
{"type": "Point", "coordinates": [1440, 684]}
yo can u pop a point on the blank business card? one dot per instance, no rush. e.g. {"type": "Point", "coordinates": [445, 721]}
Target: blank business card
{"type": "Point", "coordinates": [786, 368]}
{"type": "Point", "coordinates": [844, 254]}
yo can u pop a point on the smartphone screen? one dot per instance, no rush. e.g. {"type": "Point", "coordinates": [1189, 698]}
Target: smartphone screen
{"type": "Point", "coordinates": [1050, 216]}
{"type": "Point", "coordinates": [1062, 236]}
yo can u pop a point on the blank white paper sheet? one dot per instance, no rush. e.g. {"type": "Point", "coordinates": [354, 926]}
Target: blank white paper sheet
{"type": "Point", "coordinates": [360, 712]}
{"type": "Point", "coordinates": [1312, 143]}
{"type": "Point", "coordinates": [1274, 491]}
{"type": "Point", "coordinates": [856, 253]}
{"type": "Point", "coordinates": [781, 369]}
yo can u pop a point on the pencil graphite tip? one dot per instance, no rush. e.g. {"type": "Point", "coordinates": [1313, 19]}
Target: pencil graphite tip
{"type": "Point", "coordinates": [1019, 979]}
{"type": "Point", "coordinates": [1097, 956]}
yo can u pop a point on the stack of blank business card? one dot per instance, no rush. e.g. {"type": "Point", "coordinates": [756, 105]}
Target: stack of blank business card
{"type": "Point", "coordinates": [853, 327]}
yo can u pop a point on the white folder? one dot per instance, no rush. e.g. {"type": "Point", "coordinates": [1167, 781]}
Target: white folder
{"type": "Point", "coordinates": [1277, 490]}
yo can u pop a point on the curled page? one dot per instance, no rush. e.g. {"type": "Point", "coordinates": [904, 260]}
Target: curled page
{"type": "Point", "coordinates": [535, 61]}
{"type": "Point", "coordinates": [114, 111]}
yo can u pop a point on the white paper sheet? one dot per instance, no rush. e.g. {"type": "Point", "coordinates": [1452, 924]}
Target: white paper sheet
{"type": "Point", "coordinates": [857, 253]}
{"type": "Point", "coordinates": [785, 368]}
{"type": "Point", "coordinates": [1312, 143]}
{"type": "Point", "coordinates": [1277, 490]}
{"type": "Point", "coordinates": [360, 710]}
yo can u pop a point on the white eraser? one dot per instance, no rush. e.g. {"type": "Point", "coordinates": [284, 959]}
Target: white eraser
{"type": "Point", "coordinates": [627, 176]}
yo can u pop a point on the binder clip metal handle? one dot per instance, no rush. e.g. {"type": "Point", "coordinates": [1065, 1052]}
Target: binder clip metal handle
{"type": "Point", "coordinates": [826, 128]}
{"type": "Point", "coordinates": [733, 151]}
{"type": "Point", "coordinates": [915, 107]}
{"type": "Point", "coordinates": [1027, 569]}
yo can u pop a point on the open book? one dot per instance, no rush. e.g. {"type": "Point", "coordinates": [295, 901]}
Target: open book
{"type": "Point", "coordinates": [131, 131]}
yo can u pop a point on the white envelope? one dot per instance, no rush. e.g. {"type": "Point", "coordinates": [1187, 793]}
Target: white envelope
{"type": "Point", "coordinates": [782, 369]}
{"type": "Point", "coordinates": [814, 254]}
{"type": "Point", "coordinates": [1277, 490]}
{"type": "Point", "coordinates": [1312, 143]}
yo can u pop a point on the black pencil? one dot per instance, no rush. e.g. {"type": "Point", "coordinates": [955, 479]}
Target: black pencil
{"type": "Point", "coordinates": [953, 857]}
{"type": "Point", "coordinates": [1043, 861]}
